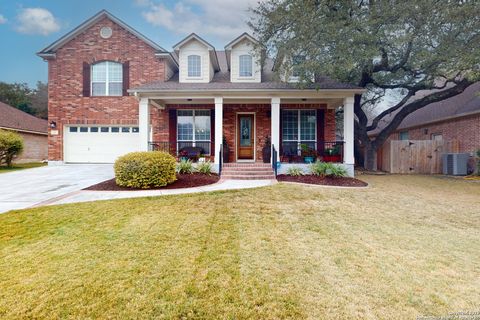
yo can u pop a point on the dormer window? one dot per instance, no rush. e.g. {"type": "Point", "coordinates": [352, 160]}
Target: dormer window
{"type": "Point", "coordinates": [107, 79]}
{"type": "Point", "coordinates": [194, 66]}
{"type": "Point", "coordinates": [296, 62]}
{"type": "Point", "coordinates": [245, 65]}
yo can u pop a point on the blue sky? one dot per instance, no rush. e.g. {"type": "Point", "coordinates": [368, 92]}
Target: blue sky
{"type": "Point", "coordinates": [27, 26]}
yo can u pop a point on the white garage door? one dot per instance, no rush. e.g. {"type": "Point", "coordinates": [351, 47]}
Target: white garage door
{"type": "Point", "coordinates": [99, 144]}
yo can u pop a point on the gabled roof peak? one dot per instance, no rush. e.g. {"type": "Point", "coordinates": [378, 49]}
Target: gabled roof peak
{"type": "Point", "coordinates": [211, 48]}
{"type": "Point", "coordinates": [238, 39]}
{"type": "Point", "coordinates": [51, 49]}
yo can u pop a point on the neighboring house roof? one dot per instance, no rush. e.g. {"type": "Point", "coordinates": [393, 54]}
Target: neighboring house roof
{"type": "Point", "coordinates": [12, 118]}
{"type": "Point", "coordinates": [51, 49]}
{"type": "Point", "coordinates": [221, 81]}
{"type": "Point", "coordinates": [211, 49]}
{"type": "Point", "coordinates": [463, 104]}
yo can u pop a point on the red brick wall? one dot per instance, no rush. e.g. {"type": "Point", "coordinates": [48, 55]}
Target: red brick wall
{"type": "Point", "coordinates": [262, 122]}
{"type": "Point", "coordinates": [65, 73]}
{"type": "Point", "coordinates": [34, 148]}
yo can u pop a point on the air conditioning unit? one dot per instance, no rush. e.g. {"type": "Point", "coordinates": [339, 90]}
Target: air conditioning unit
{"type": "Point", "coordinates": [455, 164]}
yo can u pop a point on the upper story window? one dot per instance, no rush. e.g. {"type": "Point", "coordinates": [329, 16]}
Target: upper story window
{"type": "Point", "coordinates": [194, 66]}
{"type": "Point", "coordinates": [245, 65]}
{"type": "Point", "coordinates": [107, 79]}
{"type": "Point", "coordinates": [296, 62]}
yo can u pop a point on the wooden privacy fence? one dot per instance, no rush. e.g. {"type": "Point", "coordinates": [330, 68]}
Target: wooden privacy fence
{"type": "Point", "coordinates": [417, 156]}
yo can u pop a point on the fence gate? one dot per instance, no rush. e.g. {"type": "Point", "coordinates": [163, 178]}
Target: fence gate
{"type": "Point", "coordinates": [417, 156]}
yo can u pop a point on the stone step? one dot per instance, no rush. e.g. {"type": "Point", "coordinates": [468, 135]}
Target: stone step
{"type": "Point", "coordinates": [255, 169]}
{"type": "Point", "coordinates": [248, 177]}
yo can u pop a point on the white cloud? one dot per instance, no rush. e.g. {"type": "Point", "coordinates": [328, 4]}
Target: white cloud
{"type": "Point", "coordinates": [37, 21]}
{"type": "Point", "coordinates": [223, 19]}
{"type": "Point", "coordinates": [2, 19]}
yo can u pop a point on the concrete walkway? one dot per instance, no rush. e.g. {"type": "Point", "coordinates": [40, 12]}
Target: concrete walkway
{"type": "Point", "coordinates": [26, 188]}
{"type": "Point", "coordinates": [85, 195]}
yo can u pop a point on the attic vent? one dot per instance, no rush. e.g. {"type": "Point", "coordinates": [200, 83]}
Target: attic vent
{"type": "Point", "coordinates": [106, 32]}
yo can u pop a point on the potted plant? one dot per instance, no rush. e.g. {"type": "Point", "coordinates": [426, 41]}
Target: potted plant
{"type": "Point", "coordinates": [332, 154]}
{"type": "Point", "coordinates": [308, 153]}
{"type": "Point", "coordinates": [267, 150]}
{"type": "Point", "coordinates": [183, 155]}
{"type": "Point", "coordinates": [226, 150]}
{"type": "Point", "coordinates": [201, 158]}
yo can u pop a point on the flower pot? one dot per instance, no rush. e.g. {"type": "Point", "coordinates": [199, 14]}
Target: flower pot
{"type": "Point", "coordinates": [266, 154]}
{"type": "Point", "coordinates": [226, 153]}
{"type": "Point", "coordinates": [309, 159]}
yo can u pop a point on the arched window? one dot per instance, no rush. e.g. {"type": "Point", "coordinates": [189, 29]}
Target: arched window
{"type": "Point", "coordinates": [107, 79]}
{"type": "Point", "coordinates": [194, 66]}
{"type": "Point", "coordinates": [245, 65]}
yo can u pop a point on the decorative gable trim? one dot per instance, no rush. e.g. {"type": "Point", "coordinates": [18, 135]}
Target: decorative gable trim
{"type": "Point", "coordinates": [231, 44]}
{"type": "Point", "coordinates": [49, 52]}
{"type": "Point", "coordinates": [211, 49]}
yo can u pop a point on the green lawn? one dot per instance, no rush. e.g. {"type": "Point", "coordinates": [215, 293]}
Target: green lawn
{"type": "Point", "coordinates": [406, 246]}
{"type": "Point", "coordinates": [21, 166]}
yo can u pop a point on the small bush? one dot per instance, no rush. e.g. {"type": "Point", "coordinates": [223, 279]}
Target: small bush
{"type": "Point", "coordinates": [145, 170]}
{"type": "Point", "coordinates": [327, 169]}
{"type": "Point", "coordinates": [205, 167]}
{"type": "Point", "coordinates": [11, 145]}
{"type": "Point", "coordinates": [185, 167]}
{"type": "Point", "coordinates": [295, 171]}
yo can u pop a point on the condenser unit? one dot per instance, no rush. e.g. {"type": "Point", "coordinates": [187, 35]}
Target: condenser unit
{"type": "Point", "coordinates": [455, 164]}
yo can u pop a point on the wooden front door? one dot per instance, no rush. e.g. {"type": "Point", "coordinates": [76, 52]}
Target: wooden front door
{"type": "Point", "coordinates": [245, 137]}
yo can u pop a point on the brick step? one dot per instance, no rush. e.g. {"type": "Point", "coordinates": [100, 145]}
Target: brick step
{"type": "Point", "coordinates": [248, 177]}
{"type": "Point", "coordinates": [247, 173]}
{"type": "Point", "coordinates": [248, 165]}
{"type": "Point", "coordinates": [259, 169]}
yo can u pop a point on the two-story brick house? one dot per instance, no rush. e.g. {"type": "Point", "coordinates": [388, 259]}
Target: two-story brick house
{"type": "Point", "coordinates": [112, 91]}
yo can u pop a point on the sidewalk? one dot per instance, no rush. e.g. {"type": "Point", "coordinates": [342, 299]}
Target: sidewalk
{"type": "Point", "coordinates": [86, 195]}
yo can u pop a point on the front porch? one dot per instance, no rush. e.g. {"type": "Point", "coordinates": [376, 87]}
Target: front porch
{"type": "Point", "coordinates": [227, 130]}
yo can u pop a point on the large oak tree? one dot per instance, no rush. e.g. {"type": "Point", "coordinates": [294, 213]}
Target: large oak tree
{"type": "Point", "coordinates": [396, 48]}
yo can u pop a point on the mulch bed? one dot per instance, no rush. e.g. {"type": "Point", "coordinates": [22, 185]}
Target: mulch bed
{"type": "Point", "coordinates": [326, 181]}
{"type": "Point", "coordinates": [183, 181]}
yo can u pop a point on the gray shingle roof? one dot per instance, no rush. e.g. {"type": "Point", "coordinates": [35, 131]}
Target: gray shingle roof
{"type": "Point", "coordinates": [464, 103]}
{"type": "Point", "coordinates": [221, 81]}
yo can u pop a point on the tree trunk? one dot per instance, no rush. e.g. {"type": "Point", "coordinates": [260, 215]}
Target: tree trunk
{"type": "Point", "coordinates": [370, 158]}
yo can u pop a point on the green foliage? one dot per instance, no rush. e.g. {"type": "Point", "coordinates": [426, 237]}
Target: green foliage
{"type": "Point", "coordinates": [204, 167]}
{"type": "Point", "coordinates": [22, 97]}
{"type": "Point", "coordinates": [11, 145]}
{"type": "Point", "coordinates": [185, 167]}
{"type": "Point", "coordinates": [327, 169]}
{"type": "Point", "coordinates": [295, 171]}
{"type": "Point", "coordinates": [145, 169]}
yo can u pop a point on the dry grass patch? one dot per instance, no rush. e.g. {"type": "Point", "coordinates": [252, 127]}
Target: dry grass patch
{"type": "Point", "coordinates": [405, 246]}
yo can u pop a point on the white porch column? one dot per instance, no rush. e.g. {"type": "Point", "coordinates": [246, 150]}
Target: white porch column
{"type": "Point", "coordinates": [276, 126]}
{"type": "Point", "coordinates": [348, 134]}
{"type": "Point", "coordinates": [218, 129]}
{"type": "Point", "coordinates": [144, 123]}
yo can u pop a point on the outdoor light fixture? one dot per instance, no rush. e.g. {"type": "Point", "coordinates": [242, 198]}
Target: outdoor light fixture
{"type": "Point", "coordinates": [53, 124]}
{"type": "Point", "coordinates": [189, 99]}
{"type": "Point", "coordinates": [425, 131]}
{"type": "Point", "coordinates": [304, 99]}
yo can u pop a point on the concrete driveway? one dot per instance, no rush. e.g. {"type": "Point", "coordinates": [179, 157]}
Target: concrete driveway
{"type": "Point", "coordinates": [26, 188]}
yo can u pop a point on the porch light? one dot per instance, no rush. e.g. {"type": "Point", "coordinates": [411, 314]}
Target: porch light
{"type": "Point", "coordinates": [53, 124]}
{"type": "Point", "coordinates": [304, 99]}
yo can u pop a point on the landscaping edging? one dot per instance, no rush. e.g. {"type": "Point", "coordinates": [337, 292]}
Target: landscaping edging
{"type": "Point", "coordinates": [183, 181]}
{"type": "Point", "coordinates": [343, 182]}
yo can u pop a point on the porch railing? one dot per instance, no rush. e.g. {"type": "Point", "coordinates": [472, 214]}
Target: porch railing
{"type": "Point", "coordinates": [327, 151]}
{"type": "Point", "coordinates": [176, 148]}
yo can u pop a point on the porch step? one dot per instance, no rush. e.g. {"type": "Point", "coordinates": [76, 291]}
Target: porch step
{"type": "Point", "coordinates": [247, 171]}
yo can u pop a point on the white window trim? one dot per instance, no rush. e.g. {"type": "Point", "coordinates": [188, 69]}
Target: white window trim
{"type": "Point", "coordinates": [107, 80]}
{"type": "Point", "coordinates": [299, 139]}
{"type": "Point", "coordinates": [188, 77]}
{"type": "Point", "coordinates": [194, 141]}
{"type": "Point", "coordinates": [251, 66]}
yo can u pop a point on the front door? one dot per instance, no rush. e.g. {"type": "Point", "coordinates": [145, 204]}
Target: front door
{"type": "Point", "coordinates": [245, 137]}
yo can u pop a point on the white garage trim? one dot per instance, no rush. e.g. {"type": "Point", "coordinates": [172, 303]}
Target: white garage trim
{"type": "Point", "coordinates": [97, 143]}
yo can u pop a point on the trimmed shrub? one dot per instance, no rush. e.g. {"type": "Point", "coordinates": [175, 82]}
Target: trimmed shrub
{"type": "Point", "coordinates": [295, 171]}
{"type": "Point", "coordinates": [327, 169]}
{"type": "Point", "coordinates": [205, 167]}
{"type": "Point", "coordinates": [11, 145]}
{"type": "Point", "coordinates": [145, 170]}
{"type": "Point", "coordinates": [185, 167]}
